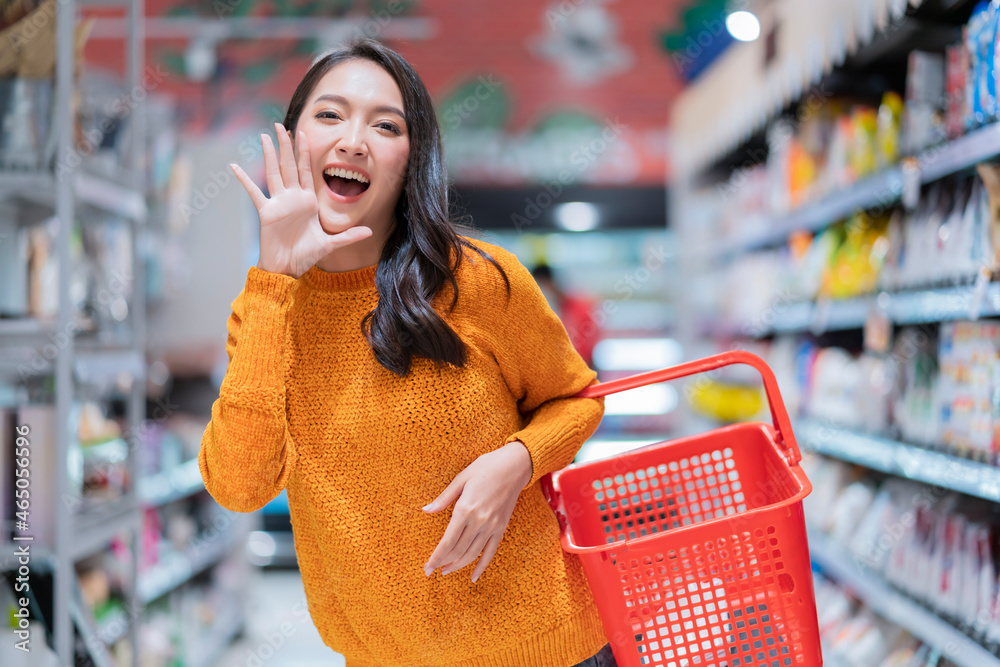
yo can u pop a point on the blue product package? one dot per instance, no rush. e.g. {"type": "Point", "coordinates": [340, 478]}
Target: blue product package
{"type": "Point", "coordinates": [989, 37]}
{"type": "Point", "coordinates": [976, 77]}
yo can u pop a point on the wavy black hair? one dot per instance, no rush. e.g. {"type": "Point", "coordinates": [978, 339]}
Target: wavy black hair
{"type": "Point", "coordinates": [416, 259]}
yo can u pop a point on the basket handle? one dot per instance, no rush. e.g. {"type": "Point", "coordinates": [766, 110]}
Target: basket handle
{"type": "Point", "coordinates": [778, 413]}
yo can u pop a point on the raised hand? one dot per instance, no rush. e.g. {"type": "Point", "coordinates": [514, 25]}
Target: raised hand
{"type": "Point", "coordinates": [292, 239]}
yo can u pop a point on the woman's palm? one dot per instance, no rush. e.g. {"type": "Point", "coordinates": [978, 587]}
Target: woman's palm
{"type": "Point", "coordinates": [292, 239]}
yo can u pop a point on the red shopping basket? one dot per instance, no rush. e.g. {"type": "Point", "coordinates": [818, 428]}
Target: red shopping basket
{"type": "Point", "coordinates": [695, 549]}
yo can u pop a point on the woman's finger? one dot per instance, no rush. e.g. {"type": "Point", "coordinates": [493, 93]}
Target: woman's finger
{"type": "Point", "coordinates": [286, 159]}
{"type": "Point", "coordinates": [462, 545]}
{"type": "Point", "coordinates": [345, 238]}
{"type": "Point", "coordinates": [444, 553]}
{"type": "Point", "coordinates": [274, 184]}
{"type": "Point", "coordinates": [256, 196]}
{"type": "Point", "coordinates": [468, 554]}
{"type": "Point", "coordinates": [305, 168]}
{"type": "Point", "coordinates": [484, 560]}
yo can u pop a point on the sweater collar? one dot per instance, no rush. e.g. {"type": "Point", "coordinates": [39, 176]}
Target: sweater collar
{"type": "Point", "coordinates": [363, 278]}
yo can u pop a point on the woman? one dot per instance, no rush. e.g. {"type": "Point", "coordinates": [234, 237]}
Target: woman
{"type": "Point", "coordinates": [378, 362]}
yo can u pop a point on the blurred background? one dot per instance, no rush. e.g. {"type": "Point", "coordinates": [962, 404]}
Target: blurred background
{"type": "Point", "coordinates": [810, 181]}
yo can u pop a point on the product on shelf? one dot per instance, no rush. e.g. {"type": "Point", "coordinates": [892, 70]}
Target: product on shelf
{"type": "Point", "coordinates": [854, 636]}
{"type": "Point", "coordinates": [937, 386]}
{"type": "Point", "coordinates": [925, 101]}
{"type": "Point", "coordinates": [936, 546]}
{"type": "Point", "coordinates": [948, 240]}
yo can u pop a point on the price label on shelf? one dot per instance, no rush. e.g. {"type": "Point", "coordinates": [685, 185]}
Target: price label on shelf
{"type": "Point", "coordinates": [911, 183]}
{"type": "Point", "coordinates": [979, 293]}
{"type": "Point", "coordinates": [878, 326]}
{"type": "Point", "coordinates": [820, 316]}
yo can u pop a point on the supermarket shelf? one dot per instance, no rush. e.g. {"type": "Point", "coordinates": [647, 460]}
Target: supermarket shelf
{"type": "Point", "coordinates": [90, 188]}
{"type": "Point", "coordinates": [168, 486]}
{"type": "Point", "coordinates": [114, 627]}
{"type": "Point", "coordinates": [100, 365]}
{"type": "Point", "coordinates": [832, 658]}
{"type": "Point", "coordinates": [94, 529]}
{"type": "Point", "coordinates": [881, 189]}
{"type": "Point", "coordinates": [895, 607]}
{"type": "Point", "coordinates": [900, 459]}
{"type": "Point", "coordinates": [918, 307]}
{"type": "Point", "coordinates": [962, 153]}
{"type": "Point", "coordinates": [226, 627]}
{"type": "Point", "coordinates": [17, 329]}
{"type": "Point", "coordinates": [87, 626]}
{"type": "Point", "coordinates": [179, 568]}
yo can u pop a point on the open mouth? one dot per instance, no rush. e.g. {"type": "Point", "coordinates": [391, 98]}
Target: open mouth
{"type": "Point", "coordinates": [345, 183]}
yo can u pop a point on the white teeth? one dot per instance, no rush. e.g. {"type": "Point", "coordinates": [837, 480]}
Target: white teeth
{"type": "Point", "coordinates": [343, 173]}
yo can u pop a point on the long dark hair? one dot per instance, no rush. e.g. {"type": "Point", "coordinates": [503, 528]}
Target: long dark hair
{"type": "Point", "coordinates": [417, 257]}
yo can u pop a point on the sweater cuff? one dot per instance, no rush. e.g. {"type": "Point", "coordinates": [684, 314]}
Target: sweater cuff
{"type": "Point", "coordinates": [259, 356]}
{"type": "Point", "coordinates": [269, 286]}
{"type": "Point", "coordinates": [552, 446]}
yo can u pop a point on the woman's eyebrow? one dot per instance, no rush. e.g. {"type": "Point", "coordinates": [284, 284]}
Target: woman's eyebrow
{"type": "Point", "coordinates": [382, 108]}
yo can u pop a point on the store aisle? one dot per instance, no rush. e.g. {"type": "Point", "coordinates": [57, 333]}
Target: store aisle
{"type": "Point", "coordinates": [279, 632]}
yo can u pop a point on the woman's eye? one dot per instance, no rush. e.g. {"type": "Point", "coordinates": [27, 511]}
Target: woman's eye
{"type": "Point", "coordinates": [327, 114]}
{"type": "Point", "coordinates": [390, 127]}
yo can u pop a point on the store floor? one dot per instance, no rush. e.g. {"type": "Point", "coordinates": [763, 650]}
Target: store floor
{"type": "Point", "coordinates": [279, 632]}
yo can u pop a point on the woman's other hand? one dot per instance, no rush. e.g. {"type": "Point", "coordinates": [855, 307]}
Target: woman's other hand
{"type": "Point", "coordinates": [291, 238]}
{"type": "Point", "coordinates": [486, 491]}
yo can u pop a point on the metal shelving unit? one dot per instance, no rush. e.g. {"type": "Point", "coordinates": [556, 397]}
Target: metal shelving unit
{"type": "Point", "coordinates": [900, 459]}
{"type": "Point", "coordinates": [166, 487]}
{"type": "Point", "coordinates": [80, 533]}
{"type": "Point", "coordinates": [90, 193]}
{"type": "Point", "coordinates": [892, 605]}
{"type": "Point", "coordinates": [912, 307]}
{"type": "Point", "coordinates": [78, 536]}
{"type": "Point", "coordinates": [883, 188]}
{"type": "Point", "coordinates": [707, 166]}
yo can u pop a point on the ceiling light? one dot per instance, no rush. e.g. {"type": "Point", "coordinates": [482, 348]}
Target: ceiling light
{"type": "Point", "coordinates": [636, 354]}
{"type": "Point", "coordinates": [654, 399]}
{"type": "Point", "coordinates": [577, 216]}
{"type": "Point", "coordinates": [743, 26]}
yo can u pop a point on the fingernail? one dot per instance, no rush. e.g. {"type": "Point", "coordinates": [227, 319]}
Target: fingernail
{"type": "Point", "coordinates": [428, 508]}
{"type": "Point", "coordinates": [475, 578]}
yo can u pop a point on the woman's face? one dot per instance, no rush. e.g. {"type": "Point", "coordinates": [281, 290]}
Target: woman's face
{"type": "Point", "coordinates": [353, 122]}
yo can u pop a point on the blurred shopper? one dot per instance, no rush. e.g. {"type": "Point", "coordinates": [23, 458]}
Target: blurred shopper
{"type": "Point", "coordinates": [378, 361]}
{"type": "Point", "coordinates": [577, 312]}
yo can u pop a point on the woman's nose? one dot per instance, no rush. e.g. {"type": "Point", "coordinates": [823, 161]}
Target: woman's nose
{"type": "Point", "coordinates": [352, 141]}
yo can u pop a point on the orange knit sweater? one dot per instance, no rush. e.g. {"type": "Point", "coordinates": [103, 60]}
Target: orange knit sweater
{"type": "Point", "coordinates": [305, 406]}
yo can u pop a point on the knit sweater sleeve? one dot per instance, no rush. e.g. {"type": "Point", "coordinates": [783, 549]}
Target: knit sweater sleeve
{"type": "Point", "coordinates": [247, 453]}
{"type": "Point", "coordinates": [543, 371]}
